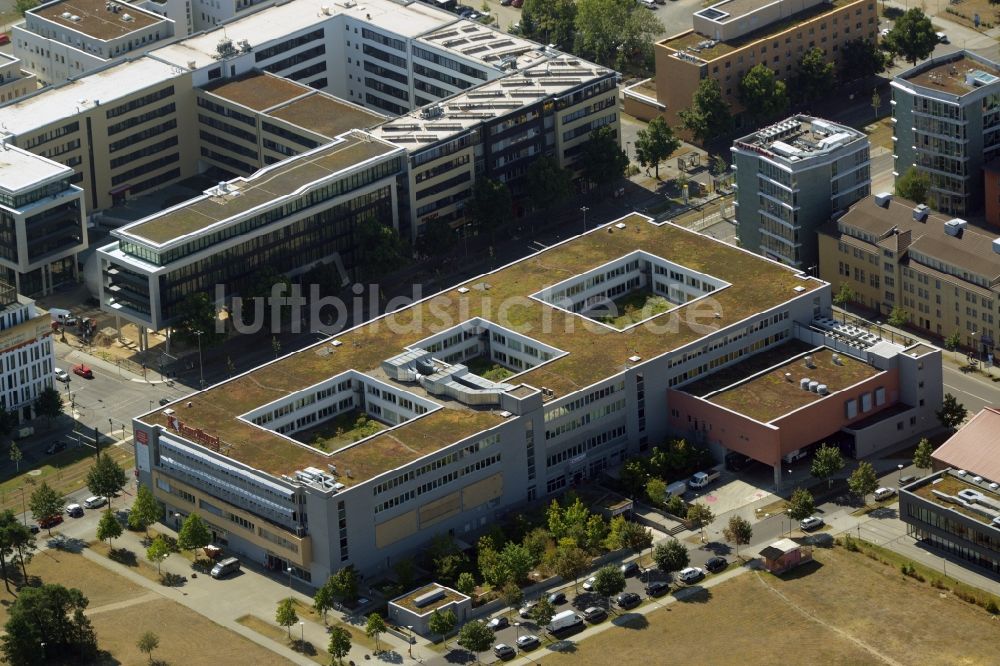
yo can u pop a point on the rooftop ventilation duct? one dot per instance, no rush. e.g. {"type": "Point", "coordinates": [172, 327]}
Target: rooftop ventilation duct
{"type": "Point", "coordinates": [882, 199]}
{"type": "Point", "coordinates": [920, 213]}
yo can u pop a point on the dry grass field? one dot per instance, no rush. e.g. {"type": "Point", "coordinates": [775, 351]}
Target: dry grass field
{"type": "Point", "coordinates": [844, 609]}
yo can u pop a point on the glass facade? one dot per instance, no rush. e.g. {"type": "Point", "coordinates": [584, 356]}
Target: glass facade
{"type": "Point", "coordinates": [969, 539]}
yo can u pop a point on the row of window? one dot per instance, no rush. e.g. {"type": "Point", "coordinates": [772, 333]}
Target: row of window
{"type": "Point", "coordinates": [443, 461]}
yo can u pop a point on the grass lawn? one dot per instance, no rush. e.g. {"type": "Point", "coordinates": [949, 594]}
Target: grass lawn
{"type": "Point", "coordinates": [281, 635]}
{"type": "Point", "coordinates": [844, 609]}
{"type": "Point", "coordinates": [635, 307]}
{"type": "Point", "coordinates": [185, 637]}
{"type": "Point", "coordinates": [341, 430]}
{"type": "Point", "coordinates": [488, 369]}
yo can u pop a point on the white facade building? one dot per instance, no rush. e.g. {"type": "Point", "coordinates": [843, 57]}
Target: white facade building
{"type": "Point", "coordinates": [26, 355]}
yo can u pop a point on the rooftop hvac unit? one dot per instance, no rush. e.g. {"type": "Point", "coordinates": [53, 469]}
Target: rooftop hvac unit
{"type": "Point", "coordinates": [955, 226]}
{"type": "Point", "coordinates": [814, 386]}
{"type": "Point", "coordinates": [882, 199]}
{"type": "Point", "coordinates": [996, 245]}
{"type": "Point", "coordinates": [822, 389]}
{"type": "Point", "coordinates": [788, 376]}
{"type": "Point", "coordinates": [836, 358]}
{"type": "Point", "coordinates": [920, 213]}
{"type": "Point", "coordinates": [808, 361]}
{"type": "Point", "coordinates": [804, 383]}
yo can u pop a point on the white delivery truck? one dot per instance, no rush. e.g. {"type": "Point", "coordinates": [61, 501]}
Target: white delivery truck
{"type": "Point", "coordinates": [702, 479]}
{"type": "Point", "coordinates": [567, 619]}
{"type": "Point", "coordinates": [676, 488]}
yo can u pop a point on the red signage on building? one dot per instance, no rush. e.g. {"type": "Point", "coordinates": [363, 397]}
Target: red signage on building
{"type": "Point", "coordinates": [142, 436]}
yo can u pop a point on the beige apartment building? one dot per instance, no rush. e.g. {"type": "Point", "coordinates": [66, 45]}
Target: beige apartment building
{"type": "Point", "coordinates": [14, 81]}
{"type": "Point", "coordinates": [943, 273]}
{"type": "Point", "coordinates": [730, 37]}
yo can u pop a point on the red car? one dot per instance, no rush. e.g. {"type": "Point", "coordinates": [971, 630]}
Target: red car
{"type": "Point", "coordinates": [46, 523]}
{"type": "Point", "coordinates": [4, 38]}
{"type": "Point", "coordinates": [84, 371]}
{"type": "Point", "coordinates": [516, 3]}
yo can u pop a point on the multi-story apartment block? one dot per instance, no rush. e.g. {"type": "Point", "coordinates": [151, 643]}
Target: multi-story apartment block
{"type": "Point", "coordinates": [66, 38]}
{"type": "Point", "coordinates": [287, 217]}
{"type": "Point", "coordinates": [790, 177]}
{"type": "Point", "coordinates": [14, 81]}
{"type": "Point", "coordinates": [942, 273]}
{"type": "Point", "coordinates": [26, 354]}
{"type": "Point", "coordinates": [730, 37]}
{"type": "Point", "coordinates": [42, 227]}
{"type": "Point", "coordinates": [957, 508]}
{"type": "Point", "coordinates": [946, 123]}
{"type": "Point", "coordinates": [259, 456]}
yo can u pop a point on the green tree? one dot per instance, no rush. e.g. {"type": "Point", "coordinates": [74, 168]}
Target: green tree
{"type": "Point", "coordinates": [16, 456]}
{"type": "Point", "coordinates": [863, 481]}
{"type": "Point", "coordinates": [325, 600]}
{"type": "Point", "coordinates": [570, 563]}
{"type": "Point", "coordinates": [826, 462]}
{"type": "Point", "coordinates": [197, 313]}
{"type": "Point", "coordinates": [675, 506]}
{"type": "Point", "coordinates": [492, 568]}
{"type": "Point", "coordinates": [549, 21]}
{"type": "Point", "coordinates": [344, 584]}
{"type": "Point", "coordinates": [801, 505]}
{"type": "Point", "coordinates": [145, 510]}
{"type": "Point", "coordinates": [898, 317]}
{"type": "Point", "coordinates": [436, 238]}
{"type": "Point", "coordinates": [148, 642]}
{"type": "Point", "coordinates": [815, 76]}
{"type": "Point", "coordinates": [542, 612]}
{"type": "Point", "coordinates": [194, 533]}
{"type": "Point", "coordinates": [476, 637]}
{"type": "Point", "coordinates": [340, 644]}
{"type": "Point", "coordinates": [257, 294]}
{"type": "Point", "coordinates": [922, 454]}
{"type": "Point", "coordinates": [633, 477]}
{"type": "Point", "coordinates": [656, 491]}
{"type": "Point", "coordinates": [671, 556]}
{"type": "Point", "coordinates": [700, 515]}
{"type": "Point", "coordinates": [860, 59]}
{"type": "Point", "coordinates": [108, 527]}
{"type": "Point", "coordinates": [7, 521]}
{"type": "Point", "coordinates": [511, 594]}
{"type": "Point", "coordinates": [106, 478]}
{"type": "Point", "coordinates": [23, 6]}
{"type": "Point", "coordinates": [490, 206]}
{"type": "Point", "coordinates": [46, 504]}
{"type": "Point", "coordinates": [913, 185]}
{"type": "Point", "coordinates": [636, 537]}
{"type": "Point", "coordinates": [378, 249]}
{"type": "Point", "coordinates": [616, 33]}
{"type": "Point", "coordinates": [8, 421]}
{"type": "Point", "coordinates": [655, 144]}
{"type": "Point", "coordinates": [50, 614]}
{"type": "Point", "coordinates": [518, 560]}
{"type": "Point", "coordinates": [762, 94]}
{"type": "Point", "coordinates": [285, 615]}
{"type": "Point", "coordinates": [48, 404]}
{"type": "Point", "coordinates": [442, 623]}
{"type": "Point", "coordinates": [547, 183]}
{"type": "Point", "coordinates": [536, 541]}
{"type": "Point", "coordinates": [952, 342]}
{"type": "Point", "coordinates": [604, 161]}
{"type": "Point", "coordinates": [609, 581]}
{"type": "Point", "coordinates": [405, 573]}
{"type": "Point", "coordinates": [912, 37]}
{"type": "Point", "coordinates": [951, 414]}
{"type": "Point", "coordinates": [18, 537]}
{"type": "Point", "coordinates": [466, 583]}
{"type": "Point", "coordinates": [739, 531]}
{"type": "Point", "coordinates": [844, 295]}
{"type": "Point", "coordinates": [374, 628]}
{"type": "Point", "coordinates": [569, 521]}
{"type": "Point", "coordinates": [709, 116]}
{"type": "Point", "coordinates": [158, 551]}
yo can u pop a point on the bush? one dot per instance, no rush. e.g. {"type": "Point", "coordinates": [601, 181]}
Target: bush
{"type": "Point", "coordinates": [939, 584]}
{"type": "Point", "coordinates": [850, 545]}
{"type": "Point", "coordinates": [991, 607]}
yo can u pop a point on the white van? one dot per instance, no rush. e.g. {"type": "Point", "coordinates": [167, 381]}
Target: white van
{"type": "Point", "coordinates": [225, 567]}
{"type": "Point", "coordinates": [792, 456]}
{"type": "Point", "coordinates": [564, 620]}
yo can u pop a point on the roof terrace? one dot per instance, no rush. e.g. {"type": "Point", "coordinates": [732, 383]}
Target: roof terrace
{"type": "Point", "coordinates": [593, 352]}
{"type": "Point", "coordinates": [800, 138]}
{"type": "Point", "coordinates": [99, 19]}
{"type": "Point", "coordinates": [326, 115]}
{"type": "Point", "coordinates": [258, 90]}
{"type": "Point", "coordinates": [956, 74]}
{"type": "Point", "coordinates": [961, 491]}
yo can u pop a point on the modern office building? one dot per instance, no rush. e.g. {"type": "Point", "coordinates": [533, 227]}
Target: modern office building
{"type": "Point", "coordinates": [957, 508]}
{"type": "Point", "coordinates": [942, 273]}
{"type": "Point", "coordinates": [63, 39]}
{"type": "Point", "coordinates": [730, 37]}
{"type": "Point", "coordinates": [26, 354]}
{"type": "Point", "coordinates": [42, 227]}
{"type": "Point", "coordinates": [14, 81]}
{"type": "Point", "coordinates": [946, 123]}
{"type": "Point", "coordinates": [790, 178]}
{"type": "Point", "coordinates": [269, 459]}
{"type": "Point", "coordinates": [991, 192]}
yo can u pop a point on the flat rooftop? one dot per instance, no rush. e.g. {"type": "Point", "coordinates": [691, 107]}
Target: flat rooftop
{"type": "Point", "coordinates": [800, 138]}
{"type": "Point", "coordinates": [950, 483]}
{"type": "Point", "coordinates": [258, 90]}
{"type": "Point", "coordinates": [594, 352]}
{"type": "Point", "coordinates": [273, 24]}
{"type": "Point", "coordinates": [488, 45]}
{"type": "Point", "coordinates": [262, 187]}
{"type": "Point", "coordinates": [62, 102]}
{"type": "Point", "coordinates": [488, 101]}
{"type": "Point", "coordinates": [770, 395]}
{"type": "Point", "coordinates": [955, 74]}
{"type": "Point", "coordinates": [98, 18]}
{"type": "Point", "coordinates": [326, 115]}
{"type": "Point", "coordinates": [449, 596]}
{"type": "Point", "coordinates": [700, 47]}
{"type": "Point", "coordinates": [20, 169]}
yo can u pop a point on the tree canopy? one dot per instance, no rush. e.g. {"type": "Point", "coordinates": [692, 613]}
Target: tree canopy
{"type": "Point", "coordinates": [739, 531]}
{"type": "Point", "coordinates": [912, 37]}
{"type": "Point", "coordinates": [50, 614]}
{"type": "Point", "coordinates": [108, 527]}
{"type": "Point", "coordinates": [863, 481]}
{"type": "Point", "coordinates": [815, 77]}
{"type": "Point", "coordinates": [106, 477]}
{"type": "Point", "coordinates": [922, 454]}
{"type": "Point", "coordinates": [442, 623]}
{"type": "Point", "coordinates": [491, 205]}
{"type": "Point", "coordinates": [46, 504]}
{"type": "Point", "coordinates": [378, 249]}
{"type": "Point", "coordinates": [547, 183]}
{"type": "Point", "coordinates": [801, 505]}
{"type": "Point", "coordinates": [616, 33]}
{"type": "Point", "coordinates": [476, 637]}
{"type": "Point", "coordinates": [436, 238]}
{"type": "Point", "coordinates": [762, 94]}
{"type": "Point", "coordinates": [709, 116]}
{"type": "Point", "coordinates": [285, 614]}
{"type": "Point", "coordinates": [604, 161]}
{"type": "Point", "coordinates": [48, 404]}
{"type": "Point", "coordinates": [158, 551]}
{"type": "Point", "coordinates": [145, 510]}
{"type": "Point", "coordinates": [826, 462]}
{"type": "Point", "coordinates": [340, 644]}
{"type": "Point", "coordinates": [374, 628]}
{"type": "Point", "coordinates": [861, 58]}
{"type": "Point", "coordinates": [655, 143]}
{"type": "Point", "coordinates": [609, 581]}
{"type": "Point", "coordinates": [952, 412]}
{"type": "Point", "coordinates": [549, 22]}
{"type": "Point", "coordinates": [194, 533]}
{"type": "Point", "coordinates": [913, 185]}
{"type": "Point", "coordinates": [671, 556]}
{"type": "Point", "coordinates": [197, 313]}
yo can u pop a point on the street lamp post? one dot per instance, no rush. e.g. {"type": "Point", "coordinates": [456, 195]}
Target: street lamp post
{"type": "Point", "coordinates": [24, 509]}
{"type": "Point", "coordinates": [42, 644]}
{"type": "Point", "coordinates": [201, 367]}
{"type": "Point", "coordinates": [899, 481]}
{"type": "Point", "coordinates": [302, 633]}
{"type": "Point", "coordinates": [584, 209]}
{"type": "Point", "coordinates": [289, 570]}
{"type": "Point", "coordinates": [409, 647]}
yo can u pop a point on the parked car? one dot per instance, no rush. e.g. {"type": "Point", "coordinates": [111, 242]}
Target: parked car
{"type": "Point", "coordinates": [657, 588]}
{"type": "Point", "coordinates": [46, 523]}
{"type": "Point", "coordinates": [630, 569]}
{"type": "Point", "coordinates": [588, 584]}
{"type": "Point", "coordinates": [883, 32]}
{"type": "Point", "coordinates": [529, 642]}
{"type": "Point", "coordinates": [810, 523]}
{"type": "Point", "coordinates": [690, 574]}
{"type": "Point", "coordinates": [884, 493]}
{"type": "Point", "coordinates": [557, 598]}
{"type": "Point", "coordinates": [95, 502]}
{"type": "Point", "coordinates": [4, 38]}
{"type": "Point", "coordinates": [716, 564]}
{"type": "Point", "coordinates": [498, 623]}
{"type": "Point", "coordinates": [595, 614]}
{"type": "Point", "coordinates": [55, 447]}
{"type": "Point", "coordinates": [941, 37]}
{"type": "Point", "coordinates": [628, 600]}
{"type": "Point", "coordinates": [61, 375]}
{"type": "Point", "coordinates": [34, 529]}
{"type": "Point", "coordinates": [527, 609]}
{"type": "Point", "coordinates": [83, 370]}
{"type": "Point", "coordinates": [504, 651]}
{"type": "Point", "coordinates": [74, 510]}
{"type": "Point", "coordinates": [517, 4]}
